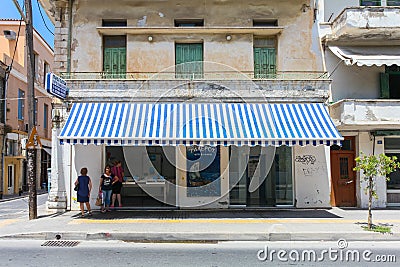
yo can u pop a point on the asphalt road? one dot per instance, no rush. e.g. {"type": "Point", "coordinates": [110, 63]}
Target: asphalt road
{"type": "Point", "coordinates": [118, 253]}
{"type": "Point", "coordinates": [13, 209]}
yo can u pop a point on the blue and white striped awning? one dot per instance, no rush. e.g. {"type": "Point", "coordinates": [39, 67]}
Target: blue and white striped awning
{"type": "Point", "coordinates": [172, 124]}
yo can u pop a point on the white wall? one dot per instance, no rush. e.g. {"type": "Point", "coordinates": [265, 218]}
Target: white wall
{"type": "Point", "coordinates": [312, 177]}
{"type": "Point", "coordinates": [352, 82]}
{"type": "Point", "coordinates": [91, 157]}
{"type": "Point", "coordinates": [366, 146]}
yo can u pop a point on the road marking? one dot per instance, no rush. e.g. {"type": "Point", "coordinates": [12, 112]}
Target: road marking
{"type": "Point", "coordinates": [8, 221]}
{"type": "Point", "coordinates": [224, 221]}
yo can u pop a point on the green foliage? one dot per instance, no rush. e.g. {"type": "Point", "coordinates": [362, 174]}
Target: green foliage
{"type": "Point", "coordinates": [375, 166]}
{"type": "Point", "coordinates": [378, 228]}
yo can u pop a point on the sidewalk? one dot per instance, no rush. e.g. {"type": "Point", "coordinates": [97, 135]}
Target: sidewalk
{"type": "Point", "coordinates": [204, 225]}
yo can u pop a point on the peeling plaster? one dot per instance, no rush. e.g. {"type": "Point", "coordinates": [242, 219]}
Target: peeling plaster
{"type": "Point", "coordinates": [142, 22]}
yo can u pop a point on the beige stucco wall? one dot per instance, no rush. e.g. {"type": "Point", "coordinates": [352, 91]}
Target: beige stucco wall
{"type": "Point", "coordinates": [294, 44]}
{"type": "Point", "coordinates": [18, 80]}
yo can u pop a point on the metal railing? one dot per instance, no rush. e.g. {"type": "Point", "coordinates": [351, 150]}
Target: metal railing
{"type": "Point", "coordinates": [217, 75]}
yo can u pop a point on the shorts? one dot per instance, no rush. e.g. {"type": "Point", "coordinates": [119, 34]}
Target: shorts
{"type": "Point", "coordinates": [116, 188]}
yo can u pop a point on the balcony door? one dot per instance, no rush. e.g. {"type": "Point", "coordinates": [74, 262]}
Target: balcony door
{"type": "Point", "coordinates": [264, 58]}
{"type": "Point", "coordinates": [114, 58]}
{"type": "Point", "coordinates": [189, 61]}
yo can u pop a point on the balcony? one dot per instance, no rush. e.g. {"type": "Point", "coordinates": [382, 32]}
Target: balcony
{"type": "Point", "coordinates": [224, 86]}
{"type": "Point", "coordinates": [371, 114]}
{"type": "Point", "coordinates": [366, 25]}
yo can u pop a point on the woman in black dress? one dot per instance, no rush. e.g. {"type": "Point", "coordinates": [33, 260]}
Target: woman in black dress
{"type": "Point", "coordinates": [83, 194]}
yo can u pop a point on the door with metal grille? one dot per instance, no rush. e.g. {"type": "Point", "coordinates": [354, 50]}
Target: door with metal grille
{"type": "Point", "coordinates": [343, 175]}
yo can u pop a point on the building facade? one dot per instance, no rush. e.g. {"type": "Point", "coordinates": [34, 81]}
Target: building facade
{"type": "Point", "coordinates": [206, 105]}
{"type": "Point", "coordinates": [15, 110]}
{"type": "Point", "coordinates": [361, 51]}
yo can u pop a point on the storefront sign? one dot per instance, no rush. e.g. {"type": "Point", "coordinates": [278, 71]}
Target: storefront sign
{"type": "Point", "coordinates": [56, 86]}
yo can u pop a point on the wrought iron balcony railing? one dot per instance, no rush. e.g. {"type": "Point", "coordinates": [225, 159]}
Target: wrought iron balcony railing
{"type": "Point", "coordinates": [220, 75]}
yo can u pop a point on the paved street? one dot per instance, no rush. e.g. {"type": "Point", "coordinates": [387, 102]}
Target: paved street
{"type": "Point", "coordinates": [118, 253]}
{"type": "Point", "coordinates": [17, 208]}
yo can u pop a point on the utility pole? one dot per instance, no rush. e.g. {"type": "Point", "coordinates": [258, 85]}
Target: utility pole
{"type": "Point", "coordinates": [31, 151]}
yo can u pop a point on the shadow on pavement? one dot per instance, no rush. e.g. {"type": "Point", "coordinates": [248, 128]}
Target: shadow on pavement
{"type": "Point", "coordinates": [208, 214]}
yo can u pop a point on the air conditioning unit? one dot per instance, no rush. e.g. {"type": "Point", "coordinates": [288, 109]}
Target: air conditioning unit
{"type": "Point", "coordinates": [10, 34]}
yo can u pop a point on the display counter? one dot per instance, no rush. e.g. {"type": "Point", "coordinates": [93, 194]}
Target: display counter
{"type": "Point", "coordinates": [145, 187]}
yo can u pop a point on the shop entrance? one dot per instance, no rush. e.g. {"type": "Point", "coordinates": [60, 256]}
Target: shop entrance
{"type": "Point", "coordinates": [264, 177]}
{"type": "Point", "coordinates": [149, 175]}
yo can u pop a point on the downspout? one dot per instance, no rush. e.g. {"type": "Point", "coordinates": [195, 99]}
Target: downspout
{"type": "Point", "coordinates": [69, 41]}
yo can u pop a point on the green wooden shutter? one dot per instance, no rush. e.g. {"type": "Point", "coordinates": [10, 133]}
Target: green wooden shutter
{"type": "Point", "coordinates": [189, 61]}
{"type": "Point", "coordinates": [384, 79]}
{"type": "Point", "coordinates": [264, 62]}
{"type": "Point", "coordinates": [115, 62]}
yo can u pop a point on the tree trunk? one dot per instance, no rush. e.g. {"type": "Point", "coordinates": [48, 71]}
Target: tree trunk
{"type": "Point", "coordinates": [370, 203]}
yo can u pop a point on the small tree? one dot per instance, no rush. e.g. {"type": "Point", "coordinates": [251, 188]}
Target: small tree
{"type": "Point", "coordinates": [374, 167]}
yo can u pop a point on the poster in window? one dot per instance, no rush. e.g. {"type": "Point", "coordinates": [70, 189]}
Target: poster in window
{"type": "Point", "coordinates": [203, 171]}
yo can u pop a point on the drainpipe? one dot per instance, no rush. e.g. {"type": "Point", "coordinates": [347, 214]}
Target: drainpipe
{"type": "Point", "coordinates": [70, 3]}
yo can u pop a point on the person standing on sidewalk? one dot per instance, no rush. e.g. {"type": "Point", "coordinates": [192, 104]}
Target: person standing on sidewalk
{"type": "Point", "coordinates": [106, 188]}
{"type": "Point", "coordinates": [118, 172]}
{"type": "Point", "coordinates": [83, 193]}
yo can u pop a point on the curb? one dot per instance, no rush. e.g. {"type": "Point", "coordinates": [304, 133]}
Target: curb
{"type": "Point", "coordinates": [203, 237]}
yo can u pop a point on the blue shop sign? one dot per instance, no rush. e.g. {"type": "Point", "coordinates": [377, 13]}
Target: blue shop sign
{"type": "Point", "coordinates": [56, 86]}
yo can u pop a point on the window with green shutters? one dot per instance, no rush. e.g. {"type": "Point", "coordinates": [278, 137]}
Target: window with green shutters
{"type": "Point", "coordinates": [189, 61]}
{"type": "Point", "coordinates": [390, 82]}
{"type": "Point", "coordinates": [114, 58]}
{"type": "Point", "coordinates": [264, 58]}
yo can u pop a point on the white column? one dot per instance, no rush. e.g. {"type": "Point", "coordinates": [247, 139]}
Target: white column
{"type": "Point", "coordinates": [57, 196]}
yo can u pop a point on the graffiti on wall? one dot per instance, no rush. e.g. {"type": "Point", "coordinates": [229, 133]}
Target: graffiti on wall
{"type": "Point", "coordinates": [306, 159]}
{"type": "Point", "coordinates": [310, 166]}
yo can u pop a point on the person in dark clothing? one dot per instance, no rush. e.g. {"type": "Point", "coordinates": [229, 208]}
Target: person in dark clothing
{"type": "Point", "coordinates": [118, 171]}
{"type": "Point", "coordinates": [83, 193]}
{"type": "Point", "coordinates": [105, 187]}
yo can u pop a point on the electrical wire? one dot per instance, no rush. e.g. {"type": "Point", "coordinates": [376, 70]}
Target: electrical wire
{"type": "Point", "coordinates": [44, 22]}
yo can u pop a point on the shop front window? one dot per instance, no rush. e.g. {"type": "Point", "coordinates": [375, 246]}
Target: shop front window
{"type": "Point", "coordinates": [261, 177]}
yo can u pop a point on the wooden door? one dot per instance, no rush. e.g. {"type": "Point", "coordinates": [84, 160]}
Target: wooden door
{"type": "Point", "coordinates": [189, 61]}
{"type": "Point", "coordinates": [264, 62]}
{"type": "Point", "coordinates": [343, 179]}
{"type": "Point", "coordinates": [115, 62]}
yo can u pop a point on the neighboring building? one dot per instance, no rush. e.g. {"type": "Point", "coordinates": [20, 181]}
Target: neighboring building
{"type": "Point", "coordinates": [12, 52]}
{"type": "Point", "coordinates": [157, 84]}
{"type": "Point", "coordinates": [361, 41]}
{"type": "Point", "coordinates": [3, 68]}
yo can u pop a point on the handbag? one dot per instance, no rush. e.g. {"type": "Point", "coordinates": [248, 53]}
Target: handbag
{"type": "Point", "coordinates": [99, 200]}
{"type": "Point", "coordinates": [76, 188]}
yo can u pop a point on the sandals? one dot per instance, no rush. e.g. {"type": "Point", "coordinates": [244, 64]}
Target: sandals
{"type": "Point", "coordinates": [82, 216]}
{"type": "Point", "coordinates": [90, 213]}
